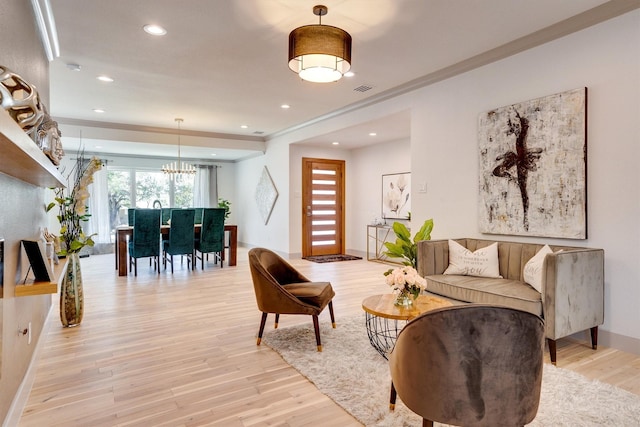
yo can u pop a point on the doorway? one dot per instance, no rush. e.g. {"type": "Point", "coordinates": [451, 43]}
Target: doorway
{"type": "Point", "coordinates": [322, 207]}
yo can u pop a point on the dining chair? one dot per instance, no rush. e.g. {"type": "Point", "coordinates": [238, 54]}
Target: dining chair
{"type": "Point", "coordinates": [281, 289]}
{"type": "Point", "coordinates": [181, 235]}
{"type": "Point", "coordinates": [166, 215]}
{"type": "Point", "coordinates": [198, 215]}
{"type": "Point", "coordinates": [130, 213]}
{"type": "Point", "coordinates": [211, 236]}
{"type": "Point", "coordinates": [145, 240]}
{"type": "Point", "coordinates": [471, 365]}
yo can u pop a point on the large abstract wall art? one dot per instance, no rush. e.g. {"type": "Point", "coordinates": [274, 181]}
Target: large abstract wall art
{"type": "Point", "coordinates": [533, 161]}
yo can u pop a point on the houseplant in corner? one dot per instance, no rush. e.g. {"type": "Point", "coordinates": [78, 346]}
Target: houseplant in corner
{"type": "Point", "coordinates": [404, 247]}
{"type": "Point", "coordinates": [72, 213]}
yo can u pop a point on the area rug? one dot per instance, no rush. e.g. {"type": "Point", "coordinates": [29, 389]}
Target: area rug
{"type": "Point", "coordinates": [332, 258]}
{"type": "Point", "coordinates": [356, 377]}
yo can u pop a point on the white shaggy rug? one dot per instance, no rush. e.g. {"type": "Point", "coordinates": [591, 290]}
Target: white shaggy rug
{"type": "Point", "coordinates": [355, 376]}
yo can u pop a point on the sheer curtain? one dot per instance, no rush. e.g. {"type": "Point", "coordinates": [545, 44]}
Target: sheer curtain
{"type": "Point", "coordinates": [99, 208]}
{"type": "Point", "coordinates": [205, 187]}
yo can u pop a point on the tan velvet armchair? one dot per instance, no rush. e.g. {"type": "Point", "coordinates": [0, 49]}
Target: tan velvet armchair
{"type": "Point", "coordinates": [470, 365]}
{"type": "Point", "coordinates": [281, 289]}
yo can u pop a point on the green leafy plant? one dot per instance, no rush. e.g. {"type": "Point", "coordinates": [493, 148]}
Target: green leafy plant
{"type": "Point", "coordinates": [226, 205]}
{"type": "Point", "coordinates": [404, 247]}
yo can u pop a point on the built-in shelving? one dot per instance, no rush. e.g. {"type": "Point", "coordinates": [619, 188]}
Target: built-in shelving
{"type": "Point", "coordinates": [21, 158]}
{"type": "Point", "coordinates": [31, 287]}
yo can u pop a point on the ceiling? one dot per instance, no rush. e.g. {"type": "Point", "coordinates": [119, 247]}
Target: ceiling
{"type": "Point", "coordinates": [223, 64]}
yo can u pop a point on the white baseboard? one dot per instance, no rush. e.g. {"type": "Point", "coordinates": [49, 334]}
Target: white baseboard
{"type": "Point", "coordinates": [22, 395]}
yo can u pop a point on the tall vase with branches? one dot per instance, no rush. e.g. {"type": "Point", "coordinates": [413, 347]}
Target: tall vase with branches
{"type": "Point", "coordinates": [72, 213]}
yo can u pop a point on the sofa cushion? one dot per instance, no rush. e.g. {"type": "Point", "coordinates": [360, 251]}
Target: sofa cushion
{"type": "Point", "coordinates": [481, 263]}
{"type": "Point", "coordinates": [532, 272]}
{"type": "Point", "coordinates": [505, 292]}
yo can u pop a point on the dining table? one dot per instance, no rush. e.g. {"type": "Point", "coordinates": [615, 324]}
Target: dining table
{"type": "Point", "coordinates": [124, 232]}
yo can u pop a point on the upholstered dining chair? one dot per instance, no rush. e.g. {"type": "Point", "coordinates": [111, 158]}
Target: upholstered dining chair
{"type": "Point", "coordinates": [470, 365]}
{"type": "Point", "coordinates": [181, 235]}
{"type": "Point", "coordinates": [145, 241]}
{"type": "Point", "coordinates": [281, 289]}
{"type": "Point", "coordinates": [197, 219]}
{"type": "Point", "coordinates": [211, 235]}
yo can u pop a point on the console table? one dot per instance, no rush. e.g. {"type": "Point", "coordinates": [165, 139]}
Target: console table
{"type": "Point", "coordinates": [377, 235]}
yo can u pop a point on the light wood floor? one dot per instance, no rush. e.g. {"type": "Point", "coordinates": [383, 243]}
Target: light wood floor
{"type": "Point", "coordinates": [179, 350]}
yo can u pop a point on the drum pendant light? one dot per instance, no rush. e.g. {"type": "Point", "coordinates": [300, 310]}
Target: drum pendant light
{"type": "Point", "coordinates": [319, 53]}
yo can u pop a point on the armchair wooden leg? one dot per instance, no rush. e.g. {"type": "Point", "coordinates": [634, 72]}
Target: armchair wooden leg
{"type": "Point", "coordinates": [275, 325]}
{"type": "Point", "coordinates": [552, 350]}
{"type": "Point", "coordinates": [594, 338]}
{"type": "Point", "coordinates": [316, 327]}
{"type": "Point", "coordinates": [392, 397]}
{"type": "Point", "coordinates": [333, 318]}
{"type": "Point", "coordinates": [263, 321]}
{"type": "Point", "coordinates": [427, 423]}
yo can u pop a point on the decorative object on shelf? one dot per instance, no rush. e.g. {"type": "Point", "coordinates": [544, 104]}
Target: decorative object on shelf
{"type": "Point", "coordinates": [404, 247]}
{"type": "Point", "coordinates": [48, 139]}
{"type": "Point", "coordinates": [21, 100]}
{"type": "Point", "coordinates": [524, 148]}
{"type": "Point", "coordinates": [226, 205]}
{"type": "Point", "coordinates": [179, 168]}
{"type": "Point", "coordinates": [396, 189]}
{"type": "Point", "coordinates": [407, 282]}
{"type": "Point", "coordinates": [72, 213]}
{"type": "Point", "coordinates": [319, 53]}
{"type": "Point", "coordinates": [266, 195]}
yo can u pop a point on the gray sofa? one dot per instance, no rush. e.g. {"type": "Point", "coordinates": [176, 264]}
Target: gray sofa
{"type": "Point", "coordinates": [572, 298]}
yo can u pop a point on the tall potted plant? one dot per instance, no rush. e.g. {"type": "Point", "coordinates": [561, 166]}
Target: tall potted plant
{"type": "Point", "coordinates": [404, 247]}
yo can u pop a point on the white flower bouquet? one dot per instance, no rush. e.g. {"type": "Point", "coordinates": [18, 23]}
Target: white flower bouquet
{"type": "Point", "coordinates": [405, 280]}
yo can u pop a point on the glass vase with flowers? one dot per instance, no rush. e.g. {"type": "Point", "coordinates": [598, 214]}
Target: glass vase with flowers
{"type": "Point", "coordinates": [407, 282]}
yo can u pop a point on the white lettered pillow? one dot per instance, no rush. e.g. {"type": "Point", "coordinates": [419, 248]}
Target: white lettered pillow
{"type": "Point", "coordinates": [532, 271]}
{"type": "Point", "coordinates": [481, 263]}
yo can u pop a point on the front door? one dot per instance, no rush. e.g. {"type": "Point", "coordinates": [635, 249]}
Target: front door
{"type": "Point", "coordinates": [322, 207]}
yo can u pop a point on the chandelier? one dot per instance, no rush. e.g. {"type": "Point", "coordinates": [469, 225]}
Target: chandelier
{"type": "Point", "coordinates": [319, 53]}
{"type": "Point", "coordinates": [179, 167]}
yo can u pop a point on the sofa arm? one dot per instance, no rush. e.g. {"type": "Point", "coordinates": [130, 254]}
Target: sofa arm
{"type": "Point", "coordinates": [573, 291]}
{"type": "Point", "coordinates": [432, 257]}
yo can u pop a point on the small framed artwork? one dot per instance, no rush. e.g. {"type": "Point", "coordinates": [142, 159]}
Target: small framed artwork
{"type": "Point", "coordinates": [266, 195]}
{"type": "Point", "coordinates": [39, 265]}
{"type": "Point", "coordinates": [396, 191]}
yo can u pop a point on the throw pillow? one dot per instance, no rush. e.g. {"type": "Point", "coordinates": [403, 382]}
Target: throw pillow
{"type": "Point", "coordinates": [532, 271]}
{"type": "Point", "coordinates": [481, 263]}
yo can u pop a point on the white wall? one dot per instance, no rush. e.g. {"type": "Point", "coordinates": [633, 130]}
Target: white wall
{"type": "Point", "coordinates": [368, 164]}
{"type": "Point", "coordinates": [443, 152]}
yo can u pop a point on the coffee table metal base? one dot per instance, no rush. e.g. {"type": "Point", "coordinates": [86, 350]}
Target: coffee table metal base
{"type": "Point", "coordinates": [383, 332]}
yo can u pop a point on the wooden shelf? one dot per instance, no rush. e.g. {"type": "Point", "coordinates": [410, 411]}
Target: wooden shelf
{"type": "Point", "coordinates": [42, 288]}
{"type": "Point", "coordinates": [21, 158]}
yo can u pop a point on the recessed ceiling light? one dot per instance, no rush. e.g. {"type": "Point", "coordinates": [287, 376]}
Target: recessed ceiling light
{"type": "Point", "coordinates": [349, 74]}
{"type": "Point", "coordinates": [154, 30]}
{"type": "Point", "coordinates": [106, 79]}
{"type": "Point", "coordinates": [285, 106]}
{"type": "Point", "coordinates": [213, 154]}
{"type": "Point", "coordinates": [98, 146]}
{"type": "Point", "coordinates": [98, 110]}
{"type": "Point", "coordinates": [335, 143]}
{"type": "Point", "coordinates": [372, 134]}
{"type": "Point", "coordinates": [244, 126]}
{"type": "Point", "coordinates": [74, 67]}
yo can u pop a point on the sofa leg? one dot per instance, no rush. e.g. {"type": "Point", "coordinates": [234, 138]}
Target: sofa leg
{"type": "Point", "coordinates": [594, 338]}
{"type": "Point", "coordinates": [552, 350]}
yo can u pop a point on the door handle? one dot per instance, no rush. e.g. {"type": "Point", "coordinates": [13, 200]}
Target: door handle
{"type": "Point", "coordinates": [308, 210]}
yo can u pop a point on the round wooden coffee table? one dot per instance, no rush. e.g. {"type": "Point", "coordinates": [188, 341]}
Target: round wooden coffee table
{"type": "Point", "coordinates": [382, 316]}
